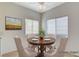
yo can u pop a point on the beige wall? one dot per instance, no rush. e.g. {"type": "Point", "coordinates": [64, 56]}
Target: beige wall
{"type": "Point", "coordinates": [9, 9]}
{"type": "Point", "coordinates": [72, 11]}
{"type": "Point", "coordinates": [13, 10]}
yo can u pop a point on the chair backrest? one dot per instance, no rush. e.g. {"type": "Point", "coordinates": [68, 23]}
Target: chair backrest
{"type": "Point", "coordinates": [19, 46]}
{"type": "Point", "coordinates": [61, 48]}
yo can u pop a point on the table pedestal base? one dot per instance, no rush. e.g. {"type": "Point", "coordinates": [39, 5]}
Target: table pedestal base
{"type": "Point", "coordinates": [40, 55]}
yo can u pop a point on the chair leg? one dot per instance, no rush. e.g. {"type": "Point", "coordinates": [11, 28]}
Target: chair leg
{"type": "Point", "coordinates": [38, 49]}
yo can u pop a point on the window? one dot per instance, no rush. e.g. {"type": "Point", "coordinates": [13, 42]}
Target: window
{"type": "Point", "coordinates": [51, 26]}
{"type": "Point", "coordinates": [58, 26]}
{"type": "Point", "coordinates": [62, 26]}
{"type": "Point", "coordinates": [35, 27]}
{"type": "Point", "coordinates": [31, 26]}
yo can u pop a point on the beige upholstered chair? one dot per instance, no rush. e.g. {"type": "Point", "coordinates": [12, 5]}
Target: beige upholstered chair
{"type": "Point", "coordinates": [19, 46]}
{"type": "Point", "coordinates": [23, 52]}
{"type": "Point", "coordinates": [58, 52]}
{"type": "Point", "coordinates": [61, 49]}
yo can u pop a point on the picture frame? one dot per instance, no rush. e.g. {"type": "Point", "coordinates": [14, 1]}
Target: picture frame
{"type": "Point", "coordinates": [12, 23]}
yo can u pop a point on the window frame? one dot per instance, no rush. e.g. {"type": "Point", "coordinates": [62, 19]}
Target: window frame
{"type": "Point", "coordinates": [56, 25]}
{"type": "Point", "coordinates": [31, 27]}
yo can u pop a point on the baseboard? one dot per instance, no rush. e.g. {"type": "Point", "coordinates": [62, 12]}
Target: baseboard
{"type": "Point", "coordinates": [11, 54]}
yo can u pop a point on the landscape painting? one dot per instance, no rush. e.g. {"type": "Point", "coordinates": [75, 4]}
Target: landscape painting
{"type": "Point", "coordinates": [13, 23]}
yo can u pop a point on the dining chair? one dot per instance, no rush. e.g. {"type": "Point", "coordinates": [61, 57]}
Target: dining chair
{"type": "Point", "coordinates": [50, 47]}
{"type": "Point", "coordinates": [61, 49]}
{"type": "Point", "coordinates": [19, 46]}
{"type": "Point", "coordinates": [50, 50]}
{"type": "Point", "coordinates": [33, 47]}
{"type": "Point", "coordinates": [21, 51]}
{"type": "Point", "coordinates": [58, 52]}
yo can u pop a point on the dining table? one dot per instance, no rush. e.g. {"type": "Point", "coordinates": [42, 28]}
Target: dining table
{"type": "Point", "coordinates": [41, 44]}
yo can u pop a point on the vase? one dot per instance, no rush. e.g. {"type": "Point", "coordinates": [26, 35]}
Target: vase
{"type": "Point", "coordinates": [41, 39]}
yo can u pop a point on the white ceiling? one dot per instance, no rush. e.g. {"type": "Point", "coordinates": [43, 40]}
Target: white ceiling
{"type": "Point", "coordinates": [35, 5]}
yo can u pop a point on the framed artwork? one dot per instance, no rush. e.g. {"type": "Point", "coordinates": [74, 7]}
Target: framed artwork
{"type": "Point", "coordinates": [13, 23]}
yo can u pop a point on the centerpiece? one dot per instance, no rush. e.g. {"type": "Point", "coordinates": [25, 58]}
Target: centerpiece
{"type": "Point", "coordinates": [41, 35]}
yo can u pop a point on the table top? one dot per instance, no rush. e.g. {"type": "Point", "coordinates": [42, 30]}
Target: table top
{"type": "Point", "coordinates": [46, 41]}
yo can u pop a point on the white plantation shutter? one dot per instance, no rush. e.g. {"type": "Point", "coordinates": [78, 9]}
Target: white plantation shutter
{"type": "Point", "coordinates": [35, 27]}
{"type": "Point", "coordinates": [58, 26]}
{"type": "Point", "coordinates": [62, 26]}
{"type": "Point", "coordinates": [31, 26]}
{"type": "Point", "coordinates": [51, 26]}
{"type": "Point", "coordinates": [28, 26]}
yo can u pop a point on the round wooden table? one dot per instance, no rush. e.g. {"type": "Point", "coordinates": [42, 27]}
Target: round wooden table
{"type": "Point", "coordinates": [41, 44]}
